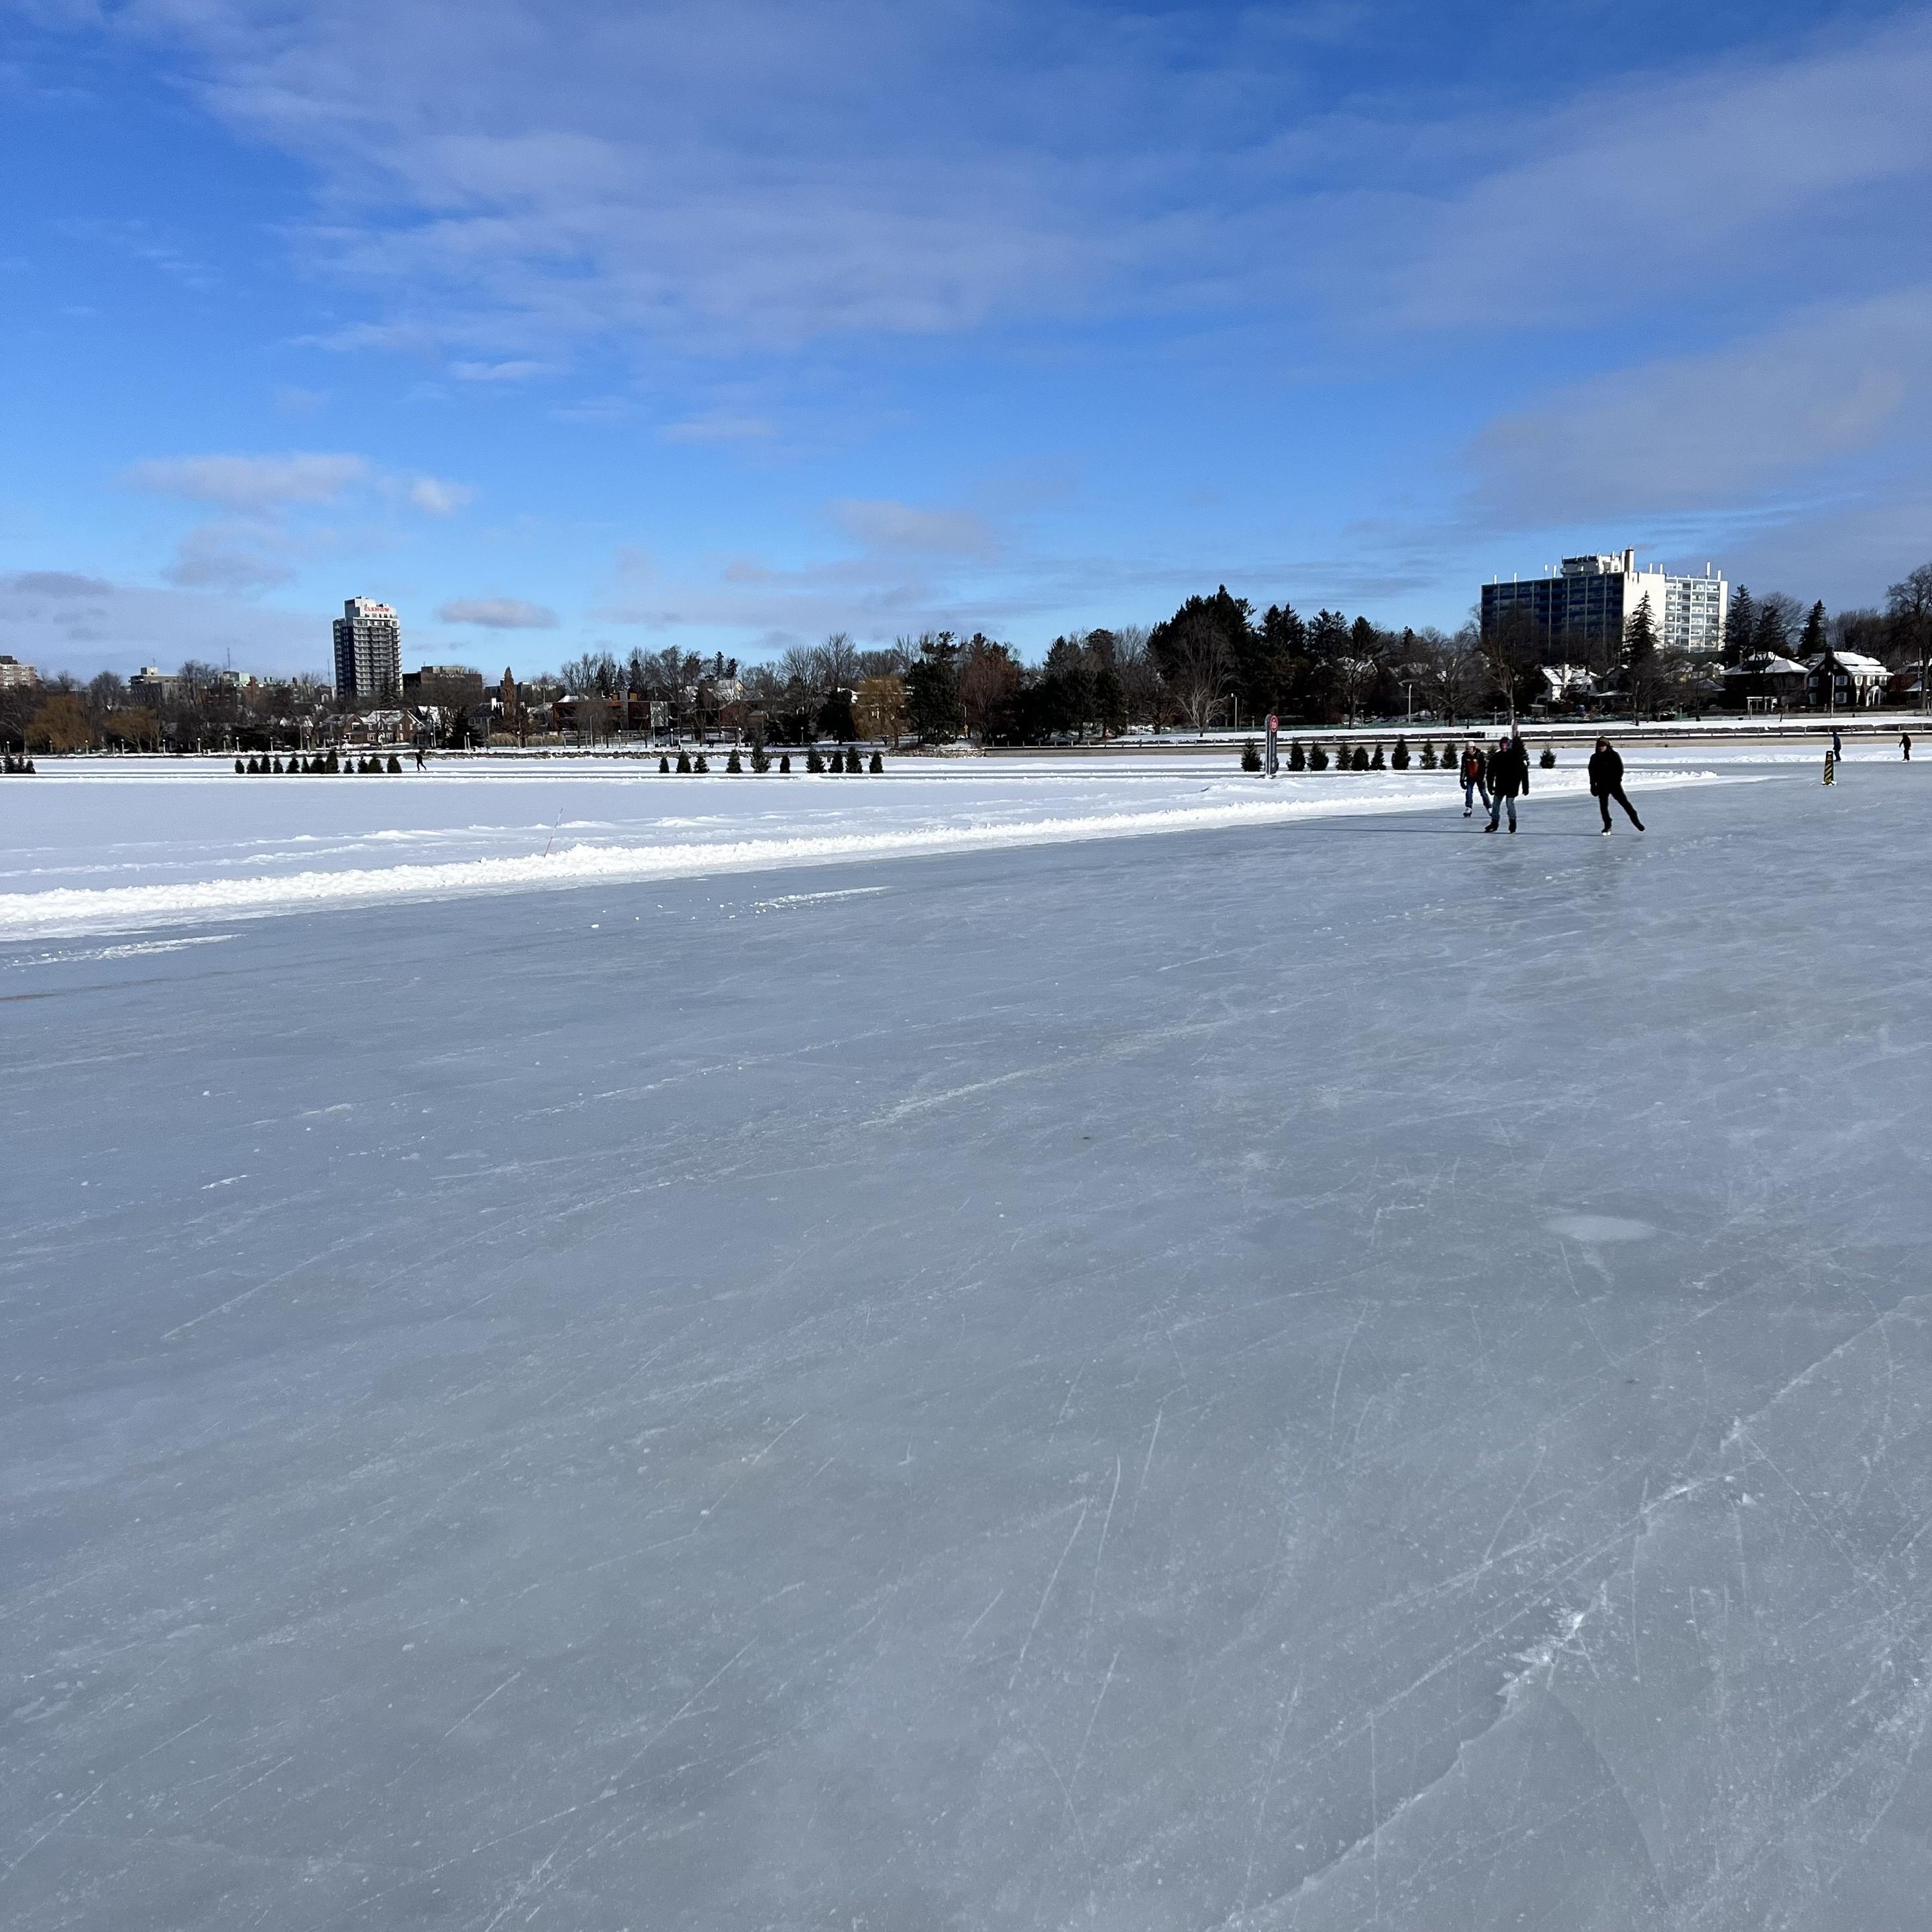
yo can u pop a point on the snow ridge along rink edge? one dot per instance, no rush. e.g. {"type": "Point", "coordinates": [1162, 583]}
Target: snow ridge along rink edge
{"type": "Point", "coordinates": [70, 912]}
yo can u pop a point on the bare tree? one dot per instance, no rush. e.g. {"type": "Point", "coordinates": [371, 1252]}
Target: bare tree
{"type": "Point", "coordinates": [1908, 608]}
{"type": "Point", "coordinates": [1452, 671]}
{"type": "Point", "coordinates": [1204, 668]}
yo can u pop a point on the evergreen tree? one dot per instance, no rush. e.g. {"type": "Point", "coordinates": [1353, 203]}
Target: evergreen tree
{"type": "Point", "coordinates": [1740, 628]}
{"type": "Point", "coordinates": [1399, 757]}
{"type": "Point", "coordinates": [395, 763]}
{"type": "Point", "coordinates": [664, 761]}
{"type": "Point", "coordinates": [878, 764]}
{"type": "Point", "coordinates": [814, 761]}
{"type": "Point", "coordinates": [1317, 759]}
{"type": "Point", "coordinates": [1298, 758]}
{"type": "Point", "coordinates": [1548, 761]}
{"type": "Point", "coordinates": [1360, 761]}
{"type": "Point", "coordinates": [1428, 756]}
{"type": "Point", "coordinates": [1640, 662]}
{"type": "Point", "coordinates": [683, 759]}
{"type": "Point", "coordinates": [702, 764]}
{"type": "Point", "coordinates": [1377, 763]}
{"type": "Point", "coordinates": [784, 762]}
{"type": "Point", "coordinates": [932, 691]}
{"type": "Point", "coordinates": [761, 759]}
{"type": "Point", "coordinates": [242, 770]}
{"type": "Point", "coordinates": [1251, 756]}
{"type": "Point", "coordinates": [732, 765]}
{"type": "Point", "coordinates": [1813, 643]}
{"type": "Point", "coordinates": [854, 763]}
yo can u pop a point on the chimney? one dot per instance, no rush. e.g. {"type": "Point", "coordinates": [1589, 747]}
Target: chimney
{"type": "Point", "coordinates": [1629, 562]}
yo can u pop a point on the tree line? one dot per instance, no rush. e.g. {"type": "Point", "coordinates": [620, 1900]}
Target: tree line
{"type": "Point", "coordinates": [1215, 661]}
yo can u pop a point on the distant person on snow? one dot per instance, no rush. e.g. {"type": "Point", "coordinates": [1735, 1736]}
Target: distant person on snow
{"type": "Point", "coordinates": [1474, 768]}
{"type": "Point", "coordinates": [419, 758]}
{"type": "Point", "coordinates": [1607, 782]}
{"type": "Point", "coordinates": [1905, 744]}
{"type": "Point", "coordinates": [1509, 778]}
{"type": "Point", "coordinates": [1838, 745]}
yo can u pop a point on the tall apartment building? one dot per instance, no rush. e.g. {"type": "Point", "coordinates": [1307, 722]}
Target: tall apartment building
{"type": "Point", "coordinates": [1591, 598]}
{"type": "Point", "coordinates": [368, 652]}
{"type": "Point", "coordinates": [15, 675]}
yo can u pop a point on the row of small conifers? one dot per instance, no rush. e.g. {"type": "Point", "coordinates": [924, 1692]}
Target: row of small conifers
{"type": "Point", "coordinates": [321, 764]}
{"type": "Point", "coordinates": [839, 758]}
{"type": "Point", "coordinates": [1299, 758]}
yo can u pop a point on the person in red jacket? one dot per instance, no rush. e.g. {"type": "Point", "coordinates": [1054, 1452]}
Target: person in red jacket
{"type": "Point", "coordinates": [1474, 768]}
{"type": "Point", "coordinates": [1607, 782]}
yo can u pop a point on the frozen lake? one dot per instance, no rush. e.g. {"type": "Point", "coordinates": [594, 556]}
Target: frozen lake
{"type": "Point", "coordinates": [114, 845]}
{"type": "Point", "coordinates": [1325, 1373]}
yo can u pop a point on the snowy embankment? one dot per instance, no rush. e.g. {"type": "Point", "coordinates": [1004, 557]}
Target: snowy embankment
{"type": "Point", "coordinates": [108, 849]}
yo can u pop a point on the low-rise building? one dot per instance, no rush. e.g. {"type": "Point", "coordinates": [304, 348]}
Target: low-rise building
{"type": "Point", "coordinates": [1845, 681]}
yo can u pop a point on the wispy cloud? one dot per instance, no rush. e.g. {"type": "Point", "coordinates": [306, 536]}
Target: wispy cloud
{"type": "Point", "coordinates": [229, 557]}
{"type": "Point", "coordinates": [1716, 429]}
{"type": "Point", "coordinates": [249, 482]}
{"type": "Point", "coordinates": [437, 496]}
{"type": "Point", "coordinates": [889, 525]}
{"type": "Point", "coordinates": [498, 613]}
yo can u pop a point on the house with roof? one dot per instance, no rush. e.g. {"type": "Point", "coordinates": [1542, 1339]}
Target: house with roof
{"type": "Point", "coordinates": [1766, 681]}
{"type": "Point", "coordinates": [1845, 681]}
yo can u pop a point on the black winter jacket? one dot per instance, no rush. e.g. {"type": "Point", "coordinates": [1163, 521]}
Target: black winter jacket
{"type": "Point", "coordinates": [1607, 773]}
{"type": "Point", "coordinates": [1509, 770]}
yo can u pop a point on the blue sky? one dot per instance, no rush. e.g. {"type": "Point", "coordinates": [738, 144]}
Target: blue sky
{"type": "Point", "coordinates": [730, 324]}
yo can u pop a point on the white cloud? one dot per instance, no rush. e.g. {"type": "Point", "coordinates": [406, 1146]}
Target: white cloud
{"type": "Point", "coordinates": [1712, 430]}
{"type": "Point", "coordinates": [217, 556]}
{"type": "Point", "coordinates": [513, 371]}
{"type": "Point", "coordinates": [889, 525]}
{"type": "Point", "coordinates": [63, 620]}
{"type": "Point", "coordinates": [718, 426]}
{"type": "Point", "coordinates": [1669, 185]}
{"type": "Point", "coordinates": [499, 614]}
{"type": "Point", "coordinates": [439, 497]}
{"type": "Point", "coordinates": [249, 482]}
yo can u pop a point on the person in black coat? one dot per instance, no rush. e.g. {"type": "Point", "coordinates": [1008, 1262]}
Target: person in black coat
{"type": "Point", "coordinates": [1509, 778]}
{"type": "Point", "coordinates": [1607, 782]}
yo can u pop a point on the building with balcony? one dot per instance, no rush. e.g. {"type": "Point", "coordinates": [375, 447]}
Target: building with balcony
{"type": "Point", "coordinates": [1590, 599]}
{"type": "Point", "coordinates": [368, 652]}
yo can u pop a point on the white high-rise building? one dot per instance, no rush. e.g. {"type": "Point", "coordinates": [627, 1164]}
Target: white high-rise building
{"type": "Point", "coordinates": [1592, 597]}
{"type": "Point", "coordinates": [368, 652]}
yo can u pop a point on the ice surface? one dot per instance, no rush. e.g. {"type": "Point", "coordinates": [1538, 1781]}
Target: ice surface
{"type": "Point", "coordinates": [114, 845]}
{"type": "Point", "coordinates": [1340, 1374]}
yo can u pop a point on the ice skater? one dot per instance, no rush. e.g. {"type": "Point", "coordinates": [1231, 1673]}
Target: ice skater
{"type": "Point", "coordinates": [1509, 778]}
{"type": "Point", "coordinates": [1905, 744]}
{"type": "Point", "coordinates": [1607, 782]}
{"type": "Point", "coordinates": [1838, 745]}
{"type": "Point", "coordinates": [420, 766]}
{"type": "Point", "coordinates": [1473, 786]}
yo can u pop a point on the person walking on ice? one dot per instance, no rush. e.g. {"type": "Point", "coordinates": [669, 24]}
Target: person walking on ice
{"type": "Point", "coordinates": [1607, 782]}
{"type": "Point", "coordinates": [1472, 779]}
{"type": "Point", "coordinates": [1905, 744]}
{"type": "Point", "coordinates": [1509, 778]}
